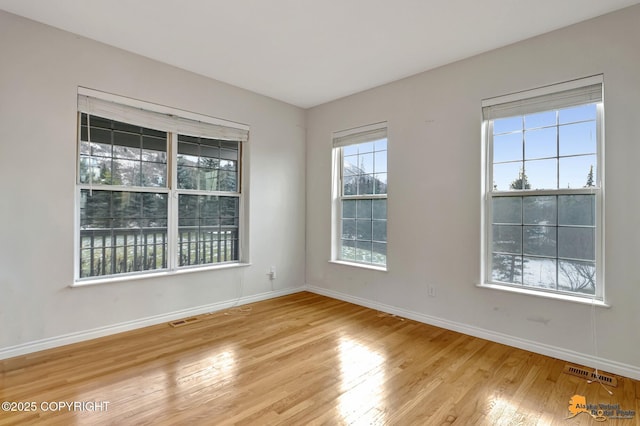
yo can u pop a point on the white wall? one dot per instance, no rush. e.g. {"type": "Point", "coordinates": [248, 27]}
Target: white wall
{"type": "Point", "coordinates": [434, 164]}
{"type": "Point", "coordinates": [40, 71]}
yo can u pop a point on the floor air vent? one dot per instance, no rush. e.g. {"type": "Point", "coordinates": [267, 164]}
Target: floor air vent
{"type": "Point", "coordinates": [589, 374]}
{"type": "Point", "coordinates": [184, 321]}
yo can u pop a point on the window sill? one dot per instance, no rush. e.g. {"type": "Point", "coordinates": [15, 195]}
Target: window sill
{"type": "Point", "coordinates": [547, 295]}
{"type": "Point", "coordinates": [360, 265]}
{"type": "Point", "coordinates": [165, 273]}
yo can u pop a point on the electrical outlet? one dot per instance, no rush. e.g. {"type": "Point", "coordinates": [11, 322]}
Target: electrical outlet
{"type": "Point", "coordinates": [272, 273]}
{"type": "Point", "coordinates": [431, 291]}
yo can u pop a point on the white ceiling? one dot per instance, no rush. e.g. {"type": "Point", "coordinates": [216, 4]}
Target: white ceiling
{"type": "Point", "coordinates": [307, 52]}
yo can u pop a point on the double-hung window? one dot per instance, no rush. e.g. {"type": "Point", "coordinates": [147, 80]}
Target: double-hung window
{"type": "Point", "coordinates": [158, 189]}
{"type": "Point", "coordinates": [360, 195]}
{"type": "Point", "coordinates": [543, 204]}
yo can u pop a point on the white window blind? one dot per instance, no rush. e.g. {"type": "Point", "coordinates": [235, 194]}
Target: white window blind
{"type": "Point", "coordinates": [158, 117]}
{"type": "Point", "coordinates": [360, 134]}
{"type": "Point", "coordinates": [577, 92]}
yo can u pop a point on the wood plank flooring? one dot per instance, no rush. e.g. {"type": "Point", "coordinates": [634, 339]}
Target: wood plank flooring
{"type": "Point", "coordinates": [302, 359]}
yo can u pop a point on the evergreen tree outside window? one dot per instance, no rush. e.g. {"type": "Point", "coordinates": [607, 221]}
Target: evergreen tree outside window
{"type": "Point", "coordinates": [543, 203]}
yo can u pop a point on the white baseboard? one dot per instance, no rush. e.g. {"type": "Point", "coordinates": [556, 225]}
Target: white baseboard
{"type": "Point", "coordinates": [66, 339]}
{"type": "Point", "coordinates": [610, 366]}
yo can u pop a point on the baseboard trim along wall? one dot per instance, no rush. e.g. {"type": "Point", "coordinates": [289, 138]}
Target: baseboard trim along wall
{"type": "Point", "coordinates": [610, 366]}
{"type": "Point", "coordinates": [53, 342]}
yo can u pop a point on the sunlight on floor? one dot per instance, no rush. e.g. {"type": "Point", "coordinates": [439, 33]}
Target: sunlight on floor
{"type": "Point", "coordinates": [362, 383]}
{"type": "Point", "coordinates": [503, 412]}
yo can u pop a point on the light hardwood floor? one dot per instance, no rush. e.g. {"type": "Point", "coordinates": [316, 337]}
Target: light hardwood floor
{"type": "Point", "coordinates": [302, 359]}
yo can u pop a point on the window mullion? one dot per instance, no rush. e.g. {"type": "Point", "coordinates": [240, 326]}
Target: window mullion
{"type": "Point", "coordinates": [172, 228]}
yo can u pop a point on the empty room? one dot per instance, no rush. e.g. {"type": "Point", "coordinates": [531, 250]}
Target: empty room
{"type": "Point", "coordinates": [338, 212]}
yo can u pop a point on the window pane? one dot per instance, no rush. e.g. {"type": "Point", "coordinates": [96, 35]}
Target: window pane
{"type": "Point", "coordinates": [229, 206]}
{"type": "Point", "coordinates": [578, 113]}
{"type": "Point", "coordinates": [507, 210]}
{"type": "Point", "coordinates": [380, 162]}
{"type": "Point", "coordinates": [210, 208]}
{"type": "Point", "coordinates": [539, 272]}
{"type": "Point", "coordinates": [379, 208]}
{"type": "Point", "coordinates": [88, 171]}
{"type": "Point", "coordinates": [363, 230]}
{"type": "Point", "coordinates": [366, 184]}
{"type": "Point", "coordinates": [506, 268]}
{"type": "Point", "coordinates": [102, 168]}
{"type": "Point", "coordinates": [541, 143]}
{"type": "Point", "coordinates": [348, 209]}
{"type": "Point", "coordinates": [509, 124]}
{"type": "Point", "coordinates": [350, 150]}
{"type": "Point", "coordinates": [85, 148]}
{"type": "Point", "coordinates": [379, 253]}
{"type": "Point", "coordinates": [578, 138]}
{"type": "Point", "coordinates": [380, 144]}
{"type": "Point", "coordinates": [208, 179]}
{"type": "Point", "coordinates": [541, 174]}
{"type": "Point", "coordinates": [379, 230]}
{"type": "Point", "coordinates": [122, 232]}
{"type": "Point", "coordinates": [350, 185]}
{"type": "Point", "coordinates": [228, 154]}
{"type": "Point", "coordinates": [576, 243]}
{"type": "Point", "coordinates": [506, 176]}
{"type": "Point", "coordinates": [188, 149]}
{"type": "Point", "coordinates": [363, 251]}
{"type": "Point", "coordinates": [126, 152]}
{"type": "Point", "coordinates": [125, 139]}
{"type": "Point", "coordinates": [578, 172]}
{"type": "Point", "coordinates": [365, 163]}
{"type": "Point", "coordinates": [350, 166]}
{"type": "Point", "coordinates": [212, 235]}
{"type": "Point", "coordinates": [541, 119]}
{"type": "Point", "coordinates": [380, 183]}
{"type": "Point", "coordinates": [228, 181]}
{"type": "Point", "coordinates": [363, 209]}
{"type": "Point", "coordinates": [507, 147]}
{"type": "Point", "coordinates": [209, 155]}
{"type": "Point", "coordinates": [349, 229]}
{"type": "Point", "coordinates": [187, 176]}
{"type": "Point", "coordinates": [126, 208]}
{"type": "Point", "coordinates": [348, 250]}
{"type": "Point", "coordinates": [207, 164]}
{"type": "Point", "coordinates": [154, 149]}
{"type": "Point", "coordinates": [540, 241]}
{"type": "Point", "coordinates": [577, 210]}
{"type": "Point", "coordinates": [507, 239]}
{"type": "Point", "coordinates": [101, 137]}
{"type": "Point", "coordinates": [366, 147]}
{"type": "Point", "coordinates": [101, 149]}
{"type": "Point", "coordinates": [126, 172]}
{"type": "Point", "coordinates": [577, 276]}
{"type": "Point", "coordinates": [154, 174]}
{"type": "Point", "coordinates": [540, 210]}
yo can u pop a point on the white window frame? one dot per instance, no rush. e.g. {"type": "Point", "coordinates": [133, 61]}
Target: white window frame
{"type": "Point", "coordinates": [174, 122]}
{"type": "Point", "coordinates": [548, 98]}
{"type": "Point", "coordinates": [340, 140]}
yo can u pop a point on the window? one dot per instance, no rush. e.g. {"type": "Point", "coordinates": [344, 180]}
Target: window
{"type": "Point", "coordinates": [158, 189]}
{"type": "Point", "coordinates": [360, 195]}
{"type": "Point", "coordinates": [543, 204]}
